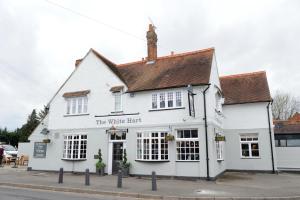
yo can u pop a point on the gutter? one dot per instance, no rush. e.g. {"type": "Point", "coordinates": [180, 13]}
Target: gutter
{"type": "Point", "coordinates": [270, 132]}
{"type": "Point", "coordinates": [206, 136]}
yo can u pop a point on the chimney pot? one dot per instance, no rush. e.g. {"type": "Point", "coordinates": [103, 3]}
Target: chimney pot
{"type": "Point", "coordinates": [151, 43]}
{"type": "Point", "coordinates": [172, 53]}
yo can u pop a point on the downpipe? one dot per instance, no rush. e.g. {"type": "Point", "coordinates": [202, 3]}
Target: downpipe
{"type": "Point", "coordinates": [270, 132]}
{"type": "Point", "coordinates": [206, 135]}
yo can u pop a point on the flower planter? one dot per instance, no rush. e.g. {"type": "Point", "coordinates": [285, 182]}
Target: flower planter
{"type": "Point", "coordinates": [125, 172]}
{"type": "Point", "coordinates": [46, 140]}
{"type": "Point", "coordinates": [100, 172]}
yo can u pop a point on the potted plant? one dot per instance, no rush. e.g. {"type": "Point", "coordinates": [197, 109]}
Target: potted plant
{"type": "Point", "coordinates": [100, 165]}
{"type": "Point", "coordinates": [46, 140]}
{"type": "Point", "coordinates": [169, 137]}
{"type": "Point", "coordinates": [124, 165]}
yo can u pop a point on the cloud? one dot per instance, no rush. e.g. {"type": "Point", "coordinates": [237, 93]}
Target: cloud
{"type": "Point", "coordinates": [40, 41]}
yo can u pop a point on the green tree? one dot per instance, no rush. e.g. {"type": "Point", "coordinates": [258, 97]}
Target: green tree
{"type": "Point", "coordinates": [27, 129]}
{"type": "Point", "coordinates": [42, 114]}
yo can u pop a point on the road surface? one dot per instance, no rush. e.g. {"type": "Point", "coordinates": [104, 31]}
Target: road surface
{"type": "Point", "coordinates": [10, 193]}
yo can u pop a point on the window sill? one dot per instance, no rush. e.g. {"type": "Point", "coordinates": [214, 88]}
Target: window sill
{"type": "Point", "coordinates": [74, 115]}
{"type": "Point", "coordinates": [250, 157]}
{"type": "Point", "coordinates": [162, 109]}
{"type": "Point", "coordinates": [69, 159]}
{"type": "Point", "coordinates": [152, 160]}
{"type": "Point", "coordinates": [220, 160]}
{"type": "Point", "coordinates": [187, 161]}
{"type": "Point", "coordinates": [117, 112]}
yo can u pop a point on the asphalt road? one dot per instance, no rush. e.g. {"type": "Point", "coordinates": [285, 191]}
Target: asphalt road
{"type": "Point", "coordinates": [9, 193]}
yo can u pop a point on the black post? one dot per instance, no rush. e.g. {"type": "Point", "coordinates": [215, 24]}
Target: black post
{"type": "Point", "coordinates": [270, 132]}
{"type": "Point", "coordinates": [206, 137]}
{"type": "Point", "coordinates": [61, 175]}
{"type": "Point", "coordinates": [154, 185]}
{"type": "Point", "coordinates": [119, 179]}
{"type": "Point", "coordinates": [87, 177]}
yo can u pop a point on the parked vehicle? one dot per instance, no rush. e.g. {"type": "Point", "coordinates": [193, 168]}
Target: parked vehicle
{"type": "Point", "coordinates": [9, 151]}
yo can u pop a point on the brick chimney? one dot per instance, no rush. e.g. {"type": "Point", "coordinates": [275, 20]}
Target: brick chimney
{"type": "Point", "coordinates": [151, 43]}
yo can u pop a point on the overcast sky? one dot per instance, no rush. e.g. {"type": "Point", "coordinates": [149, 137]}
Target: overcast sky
{"type": "Point", "coordinates": [40, 41]}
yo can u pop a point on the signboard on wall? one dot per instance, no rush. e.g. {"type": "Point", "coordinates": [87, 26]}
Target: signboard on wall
{"type": "Point", "coordinates": [118, 120]}
{"type": "Point", "coordinates": [191, 103]}
{"type": "Point", "coordinates": [39, 150]}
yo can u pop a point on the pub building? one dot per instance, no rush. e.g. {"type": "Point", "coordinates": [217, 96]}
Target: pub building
{"type": "Point", "coordinates": [173, 114]}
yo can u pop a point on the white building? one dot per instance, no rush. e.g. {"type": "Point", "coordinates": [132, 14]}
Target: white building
{"type": "Point", "coordinates": [133, 106]}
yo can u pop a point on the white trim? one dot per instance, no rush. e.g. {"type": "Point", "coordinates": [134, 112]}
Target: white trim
{"type": "Point", "coordinates": [251, 135]}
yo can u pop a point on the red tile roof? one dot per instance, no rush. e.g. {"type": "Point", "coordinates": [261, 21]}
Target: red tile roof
{"type": "Point", "coordinates": [245, 88]}
{"type": "Point", "coordinates": [292, 125]}
{"type": "Point", "coordinates": [177, 70]}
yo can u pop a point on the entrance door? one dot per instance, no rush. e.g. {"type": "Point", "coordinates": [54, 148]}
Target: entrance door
{"type": "Point", "coordinates": [117, 156]}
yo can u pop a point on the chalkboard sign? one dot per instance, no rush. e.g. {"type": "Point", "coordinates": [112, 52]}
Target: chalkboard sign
{"type": "Point", "coordinates": [40, 149]}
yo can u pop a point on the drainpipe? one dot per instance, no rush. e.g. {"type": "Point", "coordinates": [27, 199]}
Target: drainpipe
{"type": "Point", "coordinates": [206, 136]}
{"type": "Point", "coordinates": [270, 132]}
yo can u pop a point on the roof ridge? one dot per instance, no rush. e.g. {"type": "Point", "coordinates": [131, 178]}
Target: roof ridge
{"type": "Point", "coordinates": [243, 74]}
{"type": "Point", "coordinates": [168, 56]}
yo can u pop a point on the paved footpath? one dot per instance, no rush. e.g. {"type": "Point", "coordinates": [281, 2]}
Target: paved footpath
{"type": "Point", "coordinates": [231, 185]}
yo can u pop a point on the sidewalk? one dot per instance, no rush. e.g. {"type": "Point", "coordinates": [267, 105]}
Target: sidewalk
{"type": "Point", "coordinates": [230, 185]}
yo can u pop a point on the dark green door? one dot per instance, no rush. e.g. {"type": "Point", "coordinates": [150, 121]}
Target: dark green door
{"type": "Point", "coordinates": [117, 156]}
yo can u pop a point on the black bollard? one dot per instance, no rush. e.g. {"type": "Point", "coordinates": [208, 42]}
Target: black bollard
{"type": "Point", "coordinates": [119, 179]}
{"type": "Point", "coordinates": [61, 175]}
{"type": "Point", "coordinates": [154, 185]}
{"type": "Point", "coordinates": [87, 177]}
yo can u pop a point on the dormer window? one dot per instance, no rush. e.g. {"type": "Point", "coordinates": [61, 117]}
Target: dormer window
{"type": "Point", "coordinates": [166, 100]}
{"type": "Point", "coordinates": [77, 102]}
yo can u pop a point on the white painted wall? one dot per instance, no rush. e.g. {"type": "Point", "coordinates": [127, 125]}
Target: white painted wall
{"type": "Point", "coordinates": [249, 118]}
{"type": "Point", "coordinates": [24, 148]}
{"type": "Point", "coordinates": [246, 116]}
{"type": "Point", "coordinates": [288, 158]}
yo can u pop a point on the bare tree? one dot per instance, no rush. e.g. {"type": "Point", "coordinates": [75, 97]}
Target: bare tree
{"type": "Point", "coordinates": [284, 105]}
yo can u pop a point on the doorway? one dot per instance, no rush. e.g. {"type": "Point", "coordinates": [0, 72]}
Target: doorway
{"type": "Point", "coordinates": [117, 155]}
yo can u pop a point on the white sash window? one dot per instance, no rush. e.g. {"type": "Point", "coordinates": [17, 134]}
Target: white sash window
{"type": "Point", "coordinates": [152, 146]}
{"type": "Point", "coordinates": [75, 147]}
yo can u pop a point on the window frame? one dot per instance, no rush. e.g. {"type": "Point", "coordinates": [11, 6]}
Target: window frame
{"type": "Point", "coordinates": [117, 94]}
{"type": "Point", "coordinates": [72, 105]}
{"type": "Point", "coordinates": [166, 96]}
{"type": "Point", "coordinates": [185, 139]}
{"type": "Point", "coordinates": [68, 151]}
{"type": "Point", "coordinates": [249, 142]}
{"type": "Point", "coordinates": [220, 150]}
{"type": "Point", "coordinates": [141, 140]}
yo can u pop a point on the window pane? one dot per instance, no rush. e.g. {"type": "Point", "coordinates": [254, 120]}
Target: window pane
{"type": "Point", "coordinates": [162, 102]}
{"type": "Point", "coordinates": [154, 101]}
{"type": "Point", "coordinates": [187, 133]}
{"type": "Point", "coordinates": [255, 153]}
{"type": "Point", "coordinates": [68, 106]}
{"type": "Point", "coordinates": [79, 105]}
{"type": "Point", "coordinates": [276, 143]}
{"type": "Point", "coordinates": [85, 104]}
{"type": "Point", "coordinates": [73, 105]}
{"type": "Point", "coordinates": [178, 99]}
{"type": "Point", "coordinates": [117, 101]}
{"type": "Point", "coordinates": [293, 142]}
{"type": "Point", "coordinates": [245, 150]}
{"type": "Point", "coordinates": [194, 133]}
{"type": "Point", "coordinates": [180, 133]}
{"type": "Point", "coordinates": [170, 99]}
{"type": "Point", "coordinates": [282, 143]}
